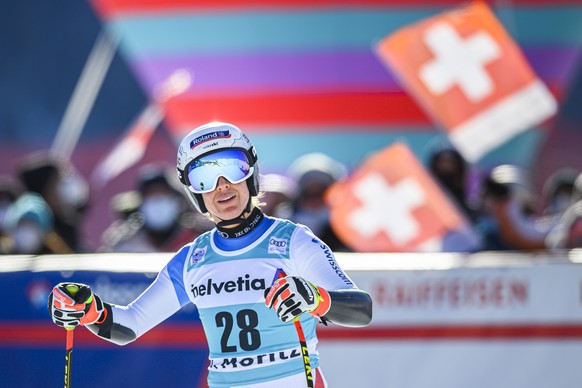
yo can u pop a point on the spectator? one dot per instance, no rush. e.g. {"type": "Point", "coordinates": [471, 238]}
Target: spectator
{"type": "Point", "coordinates": [279, 194]}
{"type": "Point", "coordinates": [29, 227]}
{"type": "Point", "coordinates": [450, 170]}
{"type": "Point", "coordinates": [9, 192]}
{"type": "Point", "coordinates": [508, 220]}
{"type": "Point", "coordinates": [125, 208]}
{"type": "Point", "coordinates": [125, 204]}
{"type": "Point", "coordinates": [314, 174]}
{"type": "Point", "coordinates": [568, 234]}
{"type": "Point", "coordinates": [558, 191]}
{"type": "Point", "coordinates": [157, 219]}
{"type": "Point", "coordinates": [64, 190]}
{"type": "Point", "coordinates": [577, 190]}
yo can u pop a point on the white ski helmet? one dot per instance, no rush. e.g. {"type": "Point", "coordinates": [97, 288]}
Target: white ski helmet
{"type": "Point", "coordinates": [213, 150]}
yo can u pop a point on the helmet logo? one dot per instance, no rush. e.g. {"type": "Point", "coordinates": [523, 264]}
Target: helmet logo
{"type": "Point", "coordinates": [181, 155]}
{"type": "Point", "coordinates": [225, 134]}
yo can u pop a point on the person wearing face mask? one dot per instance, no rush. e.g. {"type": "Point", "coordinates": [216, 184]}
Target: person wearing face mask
{"type": "Point", "coordinates": [29, 227]}
{"type": "Point", "coordinates": [160, 222]}
{"type": "Point", "coordinates": [63, 189]}
{"type": "Point", "coordinates": [9, 192]}
{"type": "Point", "coordinates": [261, 284]}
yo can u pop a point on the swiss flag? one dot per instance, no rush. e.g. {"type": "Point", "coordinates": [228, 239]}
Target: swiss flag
{"type": "Point", "coordinates": [392, 204]}
{"type": "Point", "coordinates": [470, 76]}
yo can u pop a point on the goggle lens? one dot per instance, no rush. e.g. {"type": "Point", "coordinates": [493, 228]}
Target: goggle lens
{"type": "Point", "coordinates": [203, 173]}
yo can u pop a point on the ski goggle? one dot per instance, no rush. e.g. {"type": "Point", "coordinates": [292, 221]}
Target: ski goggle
{"type": "Point", "coordinates": [232, 164]}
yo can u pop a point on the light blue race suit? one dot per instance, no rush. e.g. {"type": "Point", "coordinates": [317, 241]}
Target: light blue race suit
{"type": "Point", "coordinates": [226, 279]}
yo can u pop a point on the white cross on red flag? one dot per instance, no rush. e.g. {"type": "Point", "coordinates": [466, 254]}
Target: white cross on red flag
{"type": "Point", "coordinates": [464, 69]}
{"type": "Point", "coordinates": [392, 204]}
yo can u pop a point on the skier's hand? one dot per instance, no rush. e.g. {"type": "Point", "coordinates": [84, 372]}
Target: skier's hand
{"type": "Point", "coordinates": [291, 296]}
{"type": "Point", "coordinates": [74, 304]}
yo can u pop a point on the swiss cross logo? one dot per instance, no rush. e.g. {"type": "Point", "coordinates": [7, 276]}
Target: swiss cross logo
{"type": "Point", "coordinates": [464, 69]}
{"type": "Point", "coordinates": [459, 62]}
{"type": "Point", "coordinates": [379, 197]}
{"type": "Point", "coordinates": [391, 204]}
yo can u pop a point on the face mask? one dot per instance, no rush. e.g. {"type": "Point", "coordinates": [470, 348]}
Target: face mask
{"type": "Point", "coordinates": [28, 239]}
{"type": "Point", "coordinates": [160, 212]}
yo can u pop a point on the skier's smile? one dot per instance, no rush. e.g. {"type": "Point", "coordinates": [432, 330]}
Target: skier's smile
{"type": "Point", "coordinates": [228, 200]}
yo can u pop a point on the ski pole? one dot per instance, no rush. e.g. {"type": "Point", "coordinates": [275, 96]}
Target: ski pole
{"type": "Point", "coordinates": [72, 289]}
{"type": "Point", "coordinates": [303, 345]}
{"type": "Point", "coordinates": [68, 354]}
{"type": "Point", "coordinates": [304, 352]}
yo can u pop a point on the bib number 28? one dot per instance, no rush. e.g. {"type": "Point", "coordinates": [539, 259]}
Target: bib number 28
{"type": "Point", "coordinates": [247, 321]}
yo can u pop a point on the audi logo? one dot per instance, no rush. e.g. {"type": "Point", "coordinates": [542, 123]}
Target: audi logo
{"type": "Point", "coordinates": [279, 244]}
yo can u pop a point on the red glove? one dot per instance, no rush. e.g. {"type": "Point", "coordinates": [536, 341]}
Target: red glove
{"type": "Point", "coordinates": [291, 296]}
{"type": "Point", "coordinates": [74, 304]}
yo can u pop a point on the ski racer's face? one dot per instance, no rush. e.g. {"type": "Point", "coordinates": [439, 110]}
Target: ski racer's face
{"type": "Point", "coordinates": [227, 200]}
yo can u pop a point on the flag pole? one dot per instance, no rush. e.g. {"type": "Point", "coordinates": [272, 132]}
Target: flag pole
{"type": "Point", "coordinates": [131, 147]}
{"type": "Point", "coordinates": [84, 96]}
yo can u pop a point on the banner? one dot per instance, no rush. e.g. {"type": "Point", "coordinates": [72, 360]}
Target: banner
{"type": "Point", "coordinates": [174, 354]}
{"type": "Point", "coordinates": [485, 320]}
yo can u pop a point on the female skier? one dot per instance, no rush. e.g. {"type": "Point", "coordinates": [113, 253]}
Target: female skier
{"type": "Point", "coordinates": [260, 283]}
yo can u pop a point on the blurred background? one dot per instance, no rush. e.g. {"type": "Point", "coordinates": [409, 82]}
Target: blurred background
{"type": "Point", "coordinates": [96, 95]}
{"type": "Point", "coordinates": [320, 84]}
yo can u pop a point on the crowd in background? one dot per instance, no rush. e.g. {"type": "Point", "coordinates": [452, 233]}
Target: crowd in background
{"type": "Point", "coordinates": [42, 206]}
